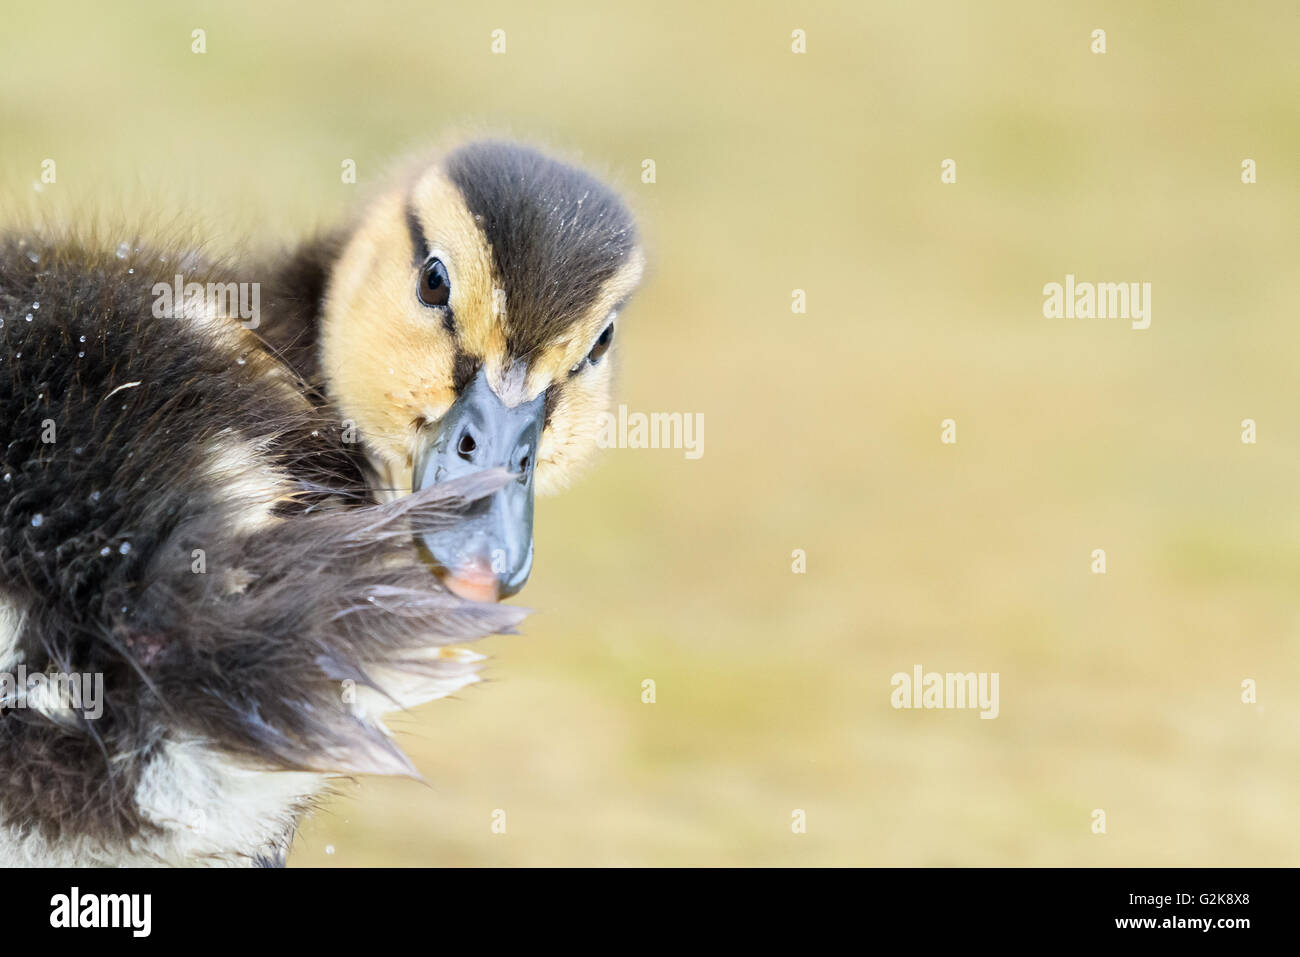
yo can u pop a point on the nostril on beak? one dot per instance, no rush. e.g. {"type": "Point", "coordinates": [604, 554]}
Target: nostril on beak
{"type": "Point", "coordinates": [522, 458]}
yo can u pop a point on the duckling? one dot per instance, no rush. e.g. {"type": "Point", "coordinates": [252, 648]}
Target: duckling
{"type": "Point", "coordinates": [259, 541]}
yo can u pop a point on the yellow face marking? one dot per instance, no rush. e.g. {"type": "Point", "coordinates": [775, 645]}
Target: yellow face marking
{"type": "Point", "coordinates": [454, 237]}
{"type": "Point", "coordinates": [388, 357]}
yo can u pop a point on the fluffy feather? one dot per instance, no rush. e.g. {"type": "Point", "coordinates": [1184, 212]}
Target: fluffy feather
{"type": "Point", "coordinates": [306, 583]}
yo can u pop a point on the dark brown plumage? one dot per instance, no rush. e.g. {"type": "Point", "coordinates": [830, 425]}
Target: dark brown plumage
{"type": "Point", "coordinates": [100, 529]}
{"type": "Point", "coordinates": [557, 234]}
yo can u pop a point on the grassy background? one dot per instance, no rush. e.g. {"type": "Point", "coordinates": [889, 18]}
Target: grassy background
{"type": "Point", "coordinates": [819, 172]}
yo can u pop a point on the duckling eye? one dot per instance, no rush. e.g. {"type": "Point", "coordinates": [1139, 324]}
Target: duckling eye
{"type": "Point", "coordinates": [597, 350]}
{"type": "Point", "coordinates": [433, 287]}
{"type": "Point", "coordinates": [602, 344]}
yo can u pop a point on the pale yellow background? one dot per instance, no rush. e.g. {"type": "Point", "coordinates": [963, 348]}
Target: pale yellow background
{"type": "Point", "coordinates": [819, 172]}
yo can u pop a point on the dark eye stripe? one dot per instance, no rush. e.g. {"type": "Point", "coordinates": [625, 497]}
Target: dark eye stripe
{"type": "Point", "coordinates": [552, 400]}
{"type": "Point", "coordinates": [419, 244]}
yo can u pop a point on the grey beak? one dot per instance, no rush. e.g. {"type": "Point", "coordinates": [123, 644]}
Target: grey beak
{"type": "Point", "coordinates": [492, 549]}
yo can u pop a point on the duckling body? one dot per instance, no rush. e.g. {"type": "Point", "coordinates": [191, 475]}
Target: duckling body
{"type": "Point", "coordinates": [225, 522]}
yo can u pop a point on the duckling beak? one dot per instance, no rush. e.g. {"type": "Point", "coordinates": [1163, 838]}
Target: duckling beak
{"type": "Point", "coordinates": [488, 555]}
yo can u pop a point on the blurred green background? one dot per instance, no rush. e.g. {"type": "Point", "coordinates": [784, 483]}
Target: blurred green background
{"type": "Point", "coordinates": [819, 172]}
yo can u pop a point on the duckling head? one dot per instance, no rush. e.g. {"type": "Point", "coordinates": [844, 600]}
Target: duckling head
{"type": "Point", "coordinates": [469, 324]}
